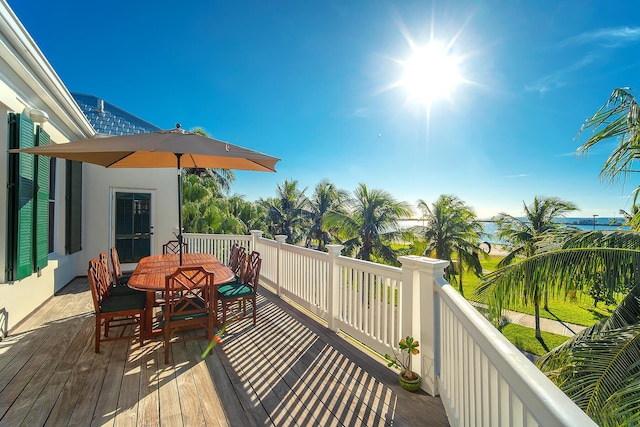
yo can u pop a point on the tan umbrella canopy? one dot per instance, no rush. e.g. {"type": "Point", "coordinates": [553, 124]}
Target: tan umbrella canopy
{"type": "Point", "coordinates": [162, 149]}
{"type": "Point", "coordinates": [158, 150]}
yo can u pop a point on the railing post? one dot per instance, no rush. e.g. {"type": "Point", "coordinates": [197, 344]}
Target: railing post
{"type": "Point", "coordinates": [426, 310]}
{"type": "Point", "coordinates": [333, 291]}
{"type": "Point", "coordinates": [409, 304]}
{"type": "Point", "coordinates": [280, 239]}
{"type": "Point", "coordinates": [255, 235]}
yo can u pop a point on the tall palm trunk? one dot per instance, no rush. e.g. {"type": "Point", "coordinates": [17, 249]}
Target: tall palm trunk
{"type": "Point", "coordinates": [546, 299]}
{"type": "Point", "coordinates": [460, 271]}
{"type": "Point", "coordinates": [536, 299]}
{"type": "Point", "coordinates": [536, 306]}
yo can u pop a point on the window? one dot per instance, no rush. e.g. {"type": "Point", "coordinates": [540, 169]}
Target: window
{"type": "Point", "coordinates": [27, 198]}
{"type": "Point", "coordinates": [74, 207]}
{"type": "Point", "coordinates": [52, 203]}
{"type": "Point", "coordinates": [41, 207]}
{"type": "Point", "coordinates": [132, 225]}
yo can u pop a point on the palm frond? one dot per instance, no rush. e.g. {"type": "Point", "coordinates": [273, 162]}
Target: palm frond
{"type": "Point", "coordinates": [598, 368]}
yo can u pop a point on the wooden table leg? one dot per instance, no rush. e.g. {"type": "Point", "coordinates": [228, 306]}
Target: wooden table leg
{"type": "Point", "coordinates": [150, 301]}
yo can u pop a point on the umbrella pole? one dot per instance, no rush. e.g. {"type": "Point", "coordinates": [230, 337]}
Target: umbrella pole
{"type": "Point", "coordinates": [178, 156]}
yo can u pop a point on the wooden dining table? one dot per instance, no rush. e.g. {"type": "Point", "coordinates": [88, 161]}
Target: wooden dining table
{"type": "Point", "coordinates": [151, 272]}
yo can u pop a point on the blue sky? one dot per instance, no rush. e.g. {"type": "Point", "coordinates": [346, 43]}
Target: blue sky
{"type": "Point", "coordinates": [313, 83]}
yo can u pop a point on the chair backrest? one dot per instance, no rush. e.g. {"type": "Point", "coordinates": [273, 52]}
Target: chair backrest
{"type": "Point", "coordinates": [237, 259]}
{"type": "Point", "coordinates": [98, 283]}
{"type": "Point", "coordinates": [252, 274]}
{"type": "Point", "coordinates": [105, 266]}
{"type": "Point", "coordinates": [233, 254]}
{"type": "Point", "coordinates": [189, 291]}
{"type": "Point", "coordinates": [115, 262]}
{"type": "Point", "coordinates": [173, 247]}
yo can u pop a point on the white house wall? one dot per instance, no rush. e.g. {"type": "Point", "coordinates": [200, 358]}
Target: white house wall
{"type": "Point", "coordinates": [98, 183]}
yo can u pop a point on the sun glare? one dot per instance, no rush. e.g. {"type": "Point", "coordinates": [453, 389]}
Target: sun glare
{"type": "Point", "coordinates": [430, 74]}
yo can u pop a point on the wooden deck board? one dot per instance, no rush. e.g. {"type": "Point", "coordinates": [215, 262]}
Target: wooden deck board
{"type": "Point", "coordinates": [111, 386]}
{"type": "Point", "coordinates": [287, 370]}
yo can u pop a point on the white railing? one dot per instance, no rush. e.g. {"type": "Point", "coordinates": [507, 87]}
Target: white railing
{"type": "Point", "coordinates": [493, 384]}
{"type": "Point", "coordinates": [216, 244]}
{"type": "Point", "coordinates": [483, 380]}
{"type": "Point", "coordinates": [368, 302]}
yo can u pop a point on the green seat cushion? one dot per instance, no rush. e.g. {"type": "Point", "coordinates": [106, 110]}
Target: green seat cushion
{"type": "Point", "coordinates": [124, 279]}
{"type": "Point", "coordinates": [194, 305]}
{"type": "Point", "coordinates": [122, 303]}
{"type": "Point", "coordinates": [234, 290]}
{"type": "Point", "coordinates": [121, 290]}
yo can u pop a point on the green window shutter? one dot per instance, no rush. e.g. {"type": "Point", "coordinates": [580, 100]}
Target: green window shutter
{"type": "Point", "coordinates": [20, 203]}
{"type": "Point", "coordinates": [74, 207]}
{"type": "Point", "coordinates": [41, 220]}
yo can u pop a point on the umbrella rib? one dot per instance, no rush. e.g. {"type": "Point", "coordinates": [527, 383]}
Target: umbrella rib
{"type": "Point", "coordinates": [258, 163]}
{"type": "Point", "coordinates": [118, 160]}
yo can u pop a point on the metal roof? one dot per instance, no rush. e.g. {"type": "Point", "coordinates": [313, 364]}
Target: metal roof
{"type": "Point", "coordinates": [108, 119]}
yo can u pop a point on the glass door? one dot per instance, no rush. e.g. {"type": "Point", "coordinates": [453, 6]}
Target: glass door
{"type": "Point", "coordinates": [133, 228]}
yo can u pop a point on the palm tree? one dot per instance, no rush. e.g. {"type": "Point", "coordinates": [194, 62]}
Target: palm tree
{"type": "Point", "coordinates": [370, 224]}
{"type": "Point", "coordinates": [253, 215]}
{"type": "Point", "coordinates": [523, 234]}
{"type": "Point", "coordinates": [205, 211]}
{"type": "Point", "coordinates": [451, 228]}
{"type": "Point", "coordinates": [326, 198]}
{"type": "Point", "coordinates": [632, 219]}
{"type": "Point", "coordinates": [603, 355]}
{"type": "Point", "coordinates": [223, 178]}
{"type": "Point", "coordinates": [288, 213]}
{"type": "Point", "coordinates": [598, 368]}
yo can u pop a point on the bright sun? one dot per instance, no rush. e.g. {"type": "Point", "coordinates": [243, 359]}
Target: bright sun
{"type": "Point", "coordinates": [431, 74]}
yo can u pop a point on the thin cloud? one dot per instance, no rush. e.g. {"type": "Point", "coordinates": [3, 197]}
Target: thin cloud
{"type": "Point", "coordinates": [359, 112]}
{"type": "Point", "coordinates": [610, 38]}
{"type": "Point", "coordinates": [569, 154]}
{"type": "Point", "coordinates": [520, 175]}
{"type": "Point", "coordinates": [605, 37]}
{"type": "Point", "coordinates": [558, 79]}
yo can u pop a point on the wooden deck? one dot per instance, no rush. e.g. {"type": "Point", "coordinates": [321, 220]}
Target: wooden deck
{"type": "Point", "coordinates": [287, 370]}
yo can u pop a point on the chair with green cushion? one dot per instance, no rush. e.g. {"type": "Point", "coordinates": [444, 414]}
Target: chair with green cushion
{"type": "Point", "coordinates": [113, 311]}
{"type": "Point", "coordinates": [237, 260]}
{"type": "Point", "coordinates": [190, 304]}
{"type": "Point", "coordinates": [173, 247]}
{"type": "Point", "coordinates": [242, 291]}
{"type": "Point", "coordinates": [114, 288]}
{"type": "Point", "coordinates": [118, 276]}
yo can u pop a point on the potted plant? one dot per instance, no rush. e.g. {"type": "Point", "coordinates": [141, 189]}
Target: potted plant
{"type": "Point", "coordinates": [408, 379]}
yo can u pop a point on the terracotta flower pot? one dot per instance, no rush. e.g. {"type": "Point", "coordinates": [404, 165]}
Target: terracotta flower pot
{"type": "Point", "coordinates": [410, 385]}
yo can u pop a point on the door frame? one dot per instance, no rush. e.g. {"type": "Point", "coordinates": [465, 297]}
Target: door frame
{"type": "Point", "coordinates": [112, 217]}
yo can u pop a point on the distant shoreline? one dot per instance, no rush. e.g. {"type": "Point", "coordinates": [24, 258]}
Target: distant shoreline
{"type": "Point", "coordinates": [599, 222]}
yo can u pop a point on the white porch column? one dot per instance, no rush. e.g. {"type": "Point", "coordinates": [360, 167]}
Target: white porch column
{"type": "Point", "coordinates": [280, 239]}
{"type": "Point", "coordinates": [255, 235]}
{"type": "Point", "coordinates": [410, 315]}
{"type": "Point", "coordinates": [425, 304]}
{"type": "Point", "coordinates": [333, 286]}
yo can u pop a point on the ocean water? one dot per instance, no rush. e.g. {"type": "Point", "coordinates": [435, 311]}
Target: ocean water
{"type": "Point", "coordinates": [582, 223]}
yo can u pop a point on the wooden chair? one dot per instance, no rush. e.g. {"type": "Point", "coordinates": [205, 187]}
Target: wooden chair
{"type": "Point", "coordinates": [190, 304]}
{"type": "Point", "coordinates": [113, 311]}
{"type": "Point", "coordinates": [114, 288]}
{"type": "Point", "coordinates": [119, 278]}
{"type": "Point", "coordinates": [173, 247]}
{"type": "Point", "coordinates": [242, 291]}
{"type": "Point", "coordinates": [237, 260]}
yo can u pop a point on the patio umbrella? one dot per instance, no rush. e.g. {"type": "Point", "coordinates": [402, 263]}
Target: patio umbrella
{"type": "Point", "coordinates": [162, 149]}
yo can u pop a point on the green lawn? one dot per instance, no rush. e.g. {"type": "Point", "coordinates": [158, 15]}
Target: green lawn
{"type": "Point", "coordinates": [579, 310]}
{"type": "Point", "coordinates": [525, 339]}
